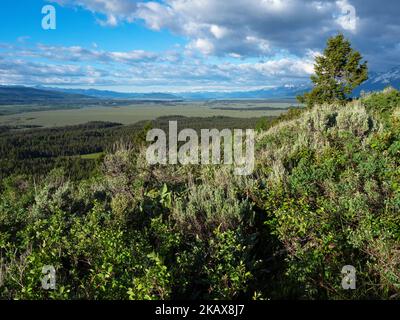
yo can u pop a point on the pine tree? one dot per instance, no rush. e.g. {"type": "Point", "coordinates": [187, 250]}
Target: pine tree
{"type": "Point", "coordinates": [338, 71]}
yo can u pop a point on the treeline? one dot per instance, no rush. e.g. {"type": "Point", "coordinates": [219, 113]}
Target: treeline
{"type": "Point", "coordinates": [36, 151]}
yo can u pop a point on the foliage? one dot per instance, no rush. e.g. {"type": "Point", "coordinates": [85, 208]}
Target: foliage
{"type": "Point", "coordinates": [338, 71]}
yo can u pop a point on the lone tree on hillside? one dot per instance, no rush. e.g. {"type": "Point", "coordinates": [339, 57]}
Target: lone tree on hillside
{"type": "Point", "coordinates": [337, 73]}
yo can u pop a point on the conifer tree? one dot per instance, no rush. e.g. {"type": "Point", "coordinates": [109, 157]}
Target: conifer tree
{"type": "Point", "coordinates": [338, 71]}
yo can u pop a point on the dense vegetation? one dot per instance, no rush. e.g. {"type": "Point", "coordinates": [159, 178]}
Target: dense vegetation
{"type": "Point", "coordinates": [325, 193]}
{"type": "Point", "coordinates": [36, 152]}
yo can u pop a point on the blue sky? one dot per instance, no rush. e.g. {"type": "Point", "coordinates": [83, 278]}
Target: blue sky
{"type": "Point", "coordinates": [186, 45]}
{"type": "Point", "coordinates": [77, 26]}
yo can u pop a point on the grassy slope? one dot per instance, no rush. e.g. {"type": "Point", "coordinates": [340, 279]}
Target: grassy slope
{"type": "Point", "coordinates": [325, 193]}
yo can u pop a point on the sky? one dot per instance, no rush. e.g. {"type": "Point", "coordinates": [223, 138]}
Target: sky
{"type": "Point", "coordinates": [187, 45]}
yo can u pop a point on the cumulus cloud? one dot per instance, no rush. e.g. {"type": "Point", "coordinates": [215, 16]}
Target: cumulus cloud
{"type": "Point", "coordinates": [261, 28]}
{"type": "Point", "coordinates": [114, 10]}
{"type": "Point", "coordinates": [63, 65]}
{"type": "Point", "coordinates": [16, 71]}
{"type": "Point", "coordinates": [225, 27]}
{"type": "Point", "coordinates": [247, 27]}
{"type": "Point", "coordinates": [78, 53]}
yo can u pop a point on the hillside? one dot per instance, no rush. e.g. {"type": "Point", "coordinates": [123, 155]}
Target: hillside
{"type": "Point", "coordinates": [325, 194]}
{"type": "Point", "coordinates": [28, 95]}
{"type": "Point", "coordinates": [12, 95]}
{"type": "Point", "coordinates": [108, 94]}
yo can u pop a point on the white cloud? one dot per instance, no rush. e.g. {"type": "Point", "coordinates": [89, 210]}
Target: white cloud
{"type": "Point", "coordinates": [250, 27]}
{"type": "Point", "coordinates": [76, 65]}
{"type": "Point", "coordinates": [222, 28]}
{"type": "Point", "coordinates": [78, 53]}
{"type": "Point", "coordinates": [114, 10]}
{"type": "Point", "coordinates": [205, 46]}
{"type": "Point", "coordinates": [218, 32]}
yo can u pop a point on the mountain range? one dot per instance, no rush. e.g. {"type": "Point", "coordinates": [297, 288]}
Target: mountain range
{"type": "Point", "coordinates": [23, 95]}
{"type": "Point", "coordinates": [379, 81]}
{"type": "Point", "coordinates": [107, 94]}
{"type": "Point", "coordinates": [40, 94]}
{"type": "Point", "coordinates": [288, 91]}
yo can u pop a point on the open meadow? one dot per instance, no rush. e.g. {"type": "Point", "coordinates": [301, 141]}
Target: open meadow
{"type": "Point", "coordinates": [129, 114]}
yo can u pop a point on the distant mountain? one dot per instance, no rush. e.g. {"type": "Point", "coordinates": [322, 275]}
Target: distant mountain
{"type": "Point", "coordinates": [376, 82]}
{"type": "Point", "coordinates": [267, 93]}
{"type": "Point", "coordinates": [155, 96]}
{"type": "Point", "coordinates": [379, 81]}
{"type": "Point", "coordinates": [284, 92]}
{"type": "Point", "coordinates": [107, 94]}
{"type": "Point", "coordinates": [20, 94]}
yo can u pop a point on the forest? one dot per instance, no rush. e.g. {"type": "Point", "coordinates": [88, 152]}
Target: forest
{"type": "Point", "coordinates": [36, 151]}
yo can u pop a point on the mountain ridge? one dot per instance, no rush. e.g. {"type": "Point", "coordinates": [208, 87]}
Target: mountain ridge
{"type": "Point", "coordinates": [25, 94]}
